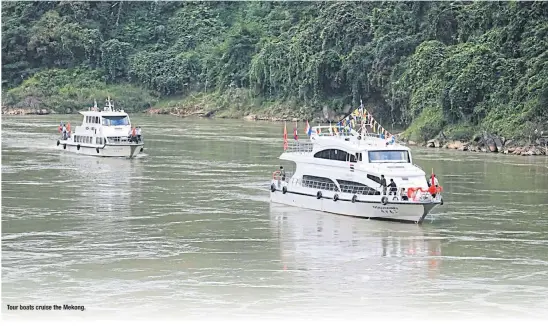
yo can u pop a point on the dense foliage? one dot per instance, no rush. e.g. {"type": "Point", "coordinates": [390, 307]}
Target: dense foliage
{"type": "Point", "coordinates": [431, 66]}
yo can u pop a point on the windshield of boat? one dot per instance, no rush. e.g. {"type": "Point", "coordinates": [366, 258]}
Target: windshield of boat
{"type": "Point", "coordinates": [392, 156]}
{"type": "Point", "coordinates": [116, 121]}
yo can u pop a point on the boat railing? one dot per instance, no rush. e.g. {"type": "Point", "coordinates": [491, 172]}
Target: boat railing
{"type": "Point", "coordinates": [399, 194]}
{"type": "Point", "coordinates": [301, 147]}
{"type": "Point", "coordinates": [321, 185]}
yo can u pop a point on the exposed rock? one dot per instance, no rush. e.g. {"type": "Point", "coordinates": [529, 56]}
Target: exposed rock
{"type": "Point", "coordinates": [411, 143]}
{"type": "Point", "coordinates": [463, 148]}
{"type": "Point", "coordinates": [455, 145]}
{"type": "Point", "coordinates": [433, 143]}
{"type": "Point", "coordinates": [498, 143]}
{"type": "Point", "coordinates": [21, 111]}
{"type": "Point", "coordinates": [250, 117]}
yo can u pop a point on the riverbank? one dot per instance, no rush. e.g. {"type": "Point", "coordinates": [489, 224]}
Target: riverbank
{"type": "Point", "coordinates": [485, 143]}
{"type": "Point", "coordinates": [27, 111]}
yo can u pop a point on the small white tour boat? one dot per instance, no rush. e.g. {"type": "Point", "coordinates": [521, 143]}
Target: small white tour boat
{"type": "Point", "coordinates": [106, 133]}
{"type": "Point", "coordinates": [340, 173]}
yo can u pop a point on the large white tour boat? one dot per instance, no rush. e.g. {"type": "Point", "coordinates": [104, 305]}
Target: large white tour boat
{"type": "Point", "coordinates": [341, 172]}
{"type": "Point", "coordinates": [106, 132]}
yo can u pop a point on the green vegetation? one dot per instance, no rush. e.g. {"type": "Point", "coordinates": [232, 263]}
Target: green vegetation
{"type": "Point", "coordinates": [457, 67]}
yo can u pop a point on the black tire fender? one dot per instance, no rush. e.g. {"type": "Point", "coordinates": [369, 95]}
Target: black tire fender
{"type": "Point", "coordinates": [272, 187]}
{"type": "Point", "coordinates": [284, 190]}
{"type": "Point", "coordinates": [336, 197]}
{"type": "Point", "coordinates": [97, 149]}
{"type": "Point", "coordinates": [354, 198]}
{"type": "Point", "coordinates": [58, 142]}
{"type": "Point", "coordinates": [384, 200]}
{"type": "Point", "coordinates": [78, 147]}
{"type": "Point", "coordinates": [319, 195]}
{"type": "Point", "coordinates": [64, 146]}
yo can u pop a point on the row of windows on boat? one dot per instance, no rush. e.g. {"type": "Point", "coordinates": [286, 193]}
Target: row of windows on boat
{"type": "Point", "coordinates": [108, 121]}
{"type": "Point", "coordinates": [98, 140]}
{"type": "Point", "coordinates": [385, 155]}
{"type": "Point", "coordinates": [345, 185]}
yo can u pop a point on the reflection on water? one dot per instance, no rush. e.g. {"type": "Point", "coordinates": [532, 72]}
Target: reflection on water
{"type": "Point", "coordinates": [110, 186]}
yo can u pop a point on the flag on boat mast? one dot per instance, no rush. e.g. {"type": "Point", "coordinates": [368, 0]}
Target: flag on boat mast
{"type": "Point", "coordinates": [285, 136]}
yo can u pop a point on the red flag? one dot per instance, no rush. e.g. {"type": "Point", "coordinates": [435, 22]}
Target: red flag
{"type": "Point", "coordinates": [295, 136]}
{"type": "Point", "coordinates": [285, 136]}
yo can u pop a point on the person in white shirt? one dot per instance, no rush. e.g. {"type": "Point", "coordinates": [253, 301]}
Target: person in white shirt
{"type": "Point", "coordinates": [138, 134]}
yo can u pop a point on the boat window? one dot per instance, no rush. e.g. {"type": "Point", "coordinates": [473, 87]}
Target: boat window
{"type": "Point", "coordinates": [319, 183]}
{"type": "Point", "coordinates": [356, 188]}
{"type": "Point", "coordinates": [336, 155]}
{"type": "Point", "coordinates": [374, 178]}
{"type": "Point", "coordinates": [116, 121]}
{"type": "Point", "coordinates": [391, 156]}
{"type": "Point", "coordinates": [359, 156]}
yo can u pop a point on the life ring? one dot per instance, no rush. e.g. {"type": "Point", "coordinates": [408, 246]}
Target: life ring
{"type": "Point", "coordinates": [336, 197]}
{"type": "Point", "coordinates": [58, 142]}
{"type": "Point", "coordinates": [276, 175]}
{"type": "Point", "coordinates": [78, 147]}
{"type": "Point", "coordinates": [284, 190]}
{"type": "Point", "coordinates": [384, 200]}
{"type": "Point", "coordinates": [97, 149]}
{"type": "Point", "coordinates": [272, 187]}
{"type": "Point", "coordinates": [319, 195]}
{"type": "Point", "coordinates": [395, 198]}
{"type": "Point", "coordinates": [354, 198]}
{"type": "Point", "coordinates": [64, 146]}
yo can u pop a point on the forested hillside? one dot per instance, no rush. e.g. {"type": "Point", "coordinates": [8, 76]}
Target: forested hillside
{"type": "Point", "coordinates": [452, 66]}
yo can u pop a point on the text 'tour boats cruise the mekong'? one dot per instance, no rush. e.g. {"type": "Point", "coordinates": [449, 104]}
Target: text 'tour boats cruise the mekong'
{"type": "Point", "coordinates": [106, 132]}
{"type": "Point", "coordinates": [343, 170]}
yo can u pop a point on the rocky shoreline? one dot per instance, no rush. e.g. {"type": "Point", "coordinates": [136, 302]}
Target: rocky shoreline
{"type": "Point", "coordinates": [21, 111]}
{"type": "Point", "coordinates": [488, 143]}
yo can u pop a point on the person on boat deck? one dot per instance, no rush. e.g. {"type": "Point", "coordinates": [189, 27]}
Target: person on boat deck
{"type": "Point", "coordinates": [68, 129]}
{"type": "Point", "coordinates": [64, 132]}
{"type": "Point", "coordinates": [383, 184]}
{"type": "Point", "coordinates": [133, 135]}
{"type": "Point", "coordinates": [436, 182]}
{"type": "Point", "coordinates": [138, 134]}
{"type": "Point", "coordinates": [393, 187]}
{"type": "Point", "coordinates": [282, 172]}
{"type": "Point", "coordinates": [404, 194]}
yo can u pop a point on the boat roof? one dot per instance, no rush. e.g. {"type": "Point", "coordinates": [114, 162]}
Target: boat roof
{"type": "Point", "coordinates": [352, 140]}
{"type": "Point", "coordinates": [104, 113]}
{"type": "Point", "coordinates": [108, 110]}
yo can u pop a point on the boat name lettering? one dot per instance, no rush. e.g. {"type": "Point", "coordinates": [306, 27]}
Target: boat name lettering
{"type": "Point", "coordinates": [386, 209]}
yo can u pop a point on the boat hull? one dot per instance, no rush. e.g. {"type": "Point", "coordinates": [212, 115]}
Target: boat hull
{"type": "Point", "coordinates": [369, 207]}
{"type": "Point", "coordinates": [126, 150]}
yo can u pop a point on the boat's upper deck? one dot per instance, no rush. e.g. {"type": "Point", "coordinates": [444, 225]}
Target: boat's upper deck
{"type": "Point", "coordinates": [351, 141]}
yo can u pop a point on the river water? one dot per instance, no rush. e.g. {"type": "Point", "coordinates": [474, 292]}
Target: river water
{"type": "Point", "coordinates": [188, 231]}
